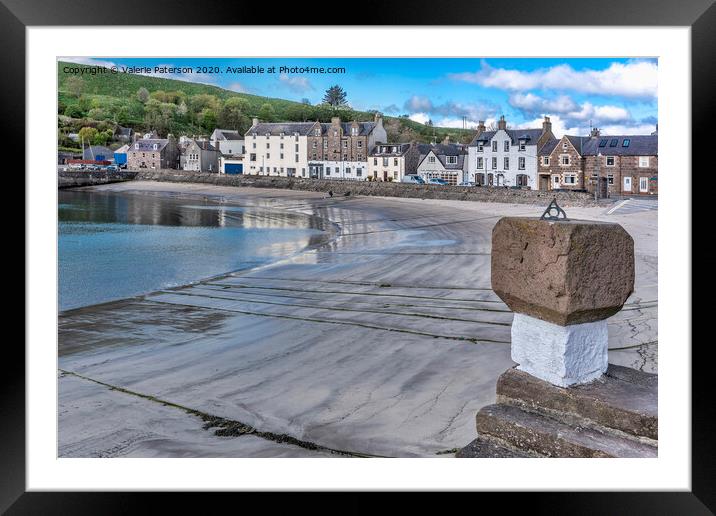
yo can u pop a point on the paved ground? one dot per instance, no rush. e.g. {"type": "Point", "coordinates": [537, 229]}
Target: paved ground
{"type": "Point", "coordinates": [633, 205]}
{"type": "Point", "coordinates": [385, 341]}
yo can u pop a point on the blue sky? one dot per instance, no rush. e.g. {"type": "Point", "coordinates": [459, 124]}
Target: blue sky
{"type": "Point", "coordinates": [616, 95]}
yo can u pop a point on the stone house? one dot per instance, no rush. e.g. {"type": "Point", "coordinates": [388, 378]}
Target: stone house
{"type": "Point", "coordinates": [446, 161]}
{"type": "Point", "coordinates": [154, 153]}
{"type": "Point", "coordinates": [340, 149]}
{"type": "Point", "coordinates": [201, 156]}
{"type": "Point", "coordinates": [392, 161]}
{"type": "Point", "coordinates": [507, 157]}
{"type": "Point", "coordinates": [625, 165]}
{"type": "Point", "coordinates": [561, 163]}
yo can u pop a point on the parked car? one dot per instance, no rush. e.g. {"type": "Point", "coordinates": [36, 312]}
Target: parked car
{"type": "Point", "coordinates": [467, 183]}
{"type": "Point", "coordinates": [437, 181]}
{"type": "Point", "coordinates": [412, 178]}
{"type": "Point", "coordinates": [111, 168]}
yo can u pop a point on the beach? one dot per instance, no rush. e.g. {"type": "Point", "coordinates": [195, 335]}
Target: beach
{"type": "Point", "coordinates": [383, 340]}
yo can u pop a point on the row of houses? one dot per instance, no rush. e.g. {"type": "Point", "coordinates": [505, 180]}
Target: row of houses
{"type": "Point", "coordinates": [532, 158]}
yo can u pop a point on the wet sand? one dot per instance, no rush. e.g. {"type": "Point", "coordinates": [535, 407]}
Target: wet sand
{"type": "Point", "coordinates": [385, 340]}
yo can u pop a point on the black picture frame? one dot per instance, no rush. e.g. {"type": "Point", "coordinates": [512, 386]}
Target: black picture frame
{"type": "Point", "coordinates": [700, 15]}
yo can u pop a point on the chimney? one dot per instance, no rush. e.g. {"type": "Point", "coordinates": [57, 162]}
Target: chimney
{"type": "Point", "coordinates": [594, 132]}
{"type": "Point", "coordinates": [546, 125]}
{"type": "Point", "coordinates": [335, 120]}
{"type": "Point", "coordinates": [378, 118]}
{"type": "Point", "coordinates": [446, 141]}
{"type": "Point", "coordinates": [480, 127]}
{"type": "Point", "coordinates": [255, 122]}
{"type": "Point", "coordinates": [502, 123]}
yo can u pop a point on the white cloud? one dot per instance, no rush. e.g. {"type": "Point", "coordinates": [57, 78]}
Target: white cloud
{"type": "Point", "coordinates": [296, 83]}
{"type": "Point", "coordinates": [535, 104]}
{"type": "Point", "coordinates": [420, 117]}
{"type": "Point", "coordinates": [632, 79]}
{"type": "Point", "coordinates": [452, 112]}
{"type": "Point", "coordinates": [562, 126]}
{"type": "Point", "coordinates": [237, 87]}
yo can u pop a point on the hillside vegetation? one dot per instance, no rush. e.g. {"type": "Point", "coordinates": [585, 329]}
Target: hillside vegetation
{"type": "Point", "coordinates": [146, 103]}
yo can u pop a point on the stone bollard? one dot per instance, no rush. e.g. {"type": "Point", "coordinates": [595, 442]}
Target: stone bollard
{"type": "Point", "coordinates": [562, 278]}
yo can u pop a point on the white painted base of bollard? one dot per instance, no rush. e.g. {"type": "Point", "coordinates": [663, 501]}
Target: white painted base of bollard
{"type": "Point", "coordinates": [560, 355]}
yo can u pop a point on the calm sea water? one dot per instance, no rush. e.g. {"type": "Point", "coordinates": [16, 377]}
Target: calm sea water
{"type": "Point", "coordinates": [113, 246]}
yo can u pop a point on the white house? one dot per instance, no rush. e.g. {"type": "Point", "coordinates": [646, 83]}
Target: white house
{"type": "Point", "coordinates": [391, 161]}
{"type": "Point", "coordinates": [277, 149]}
{"type": "Point", "coordinates": [507, 157]}
{"type": "Point", "coordinates": [228, 142]}
{"type": "Point", "coordinates": [443, 161]}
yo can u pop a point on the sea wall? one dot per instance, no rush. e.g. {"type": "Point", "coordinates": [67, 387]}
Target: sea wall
{"type": "Point", "coordinates": [74, 178]}
{"type": "Point", "coordinates": [382, 189]}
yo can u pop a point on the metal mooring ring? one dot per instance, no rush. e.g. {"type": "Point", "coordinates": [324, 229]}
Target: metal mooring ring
{"type": "Point", "coordinates": [554, 212]}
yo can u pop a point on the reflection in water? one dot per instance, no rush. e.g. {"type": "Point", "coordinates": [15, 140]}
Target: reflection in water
{"type": "Point", "coordinates": [113, 246]}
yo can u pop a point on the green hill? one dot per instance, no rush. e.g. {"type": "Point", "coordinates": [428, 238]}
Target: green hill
{"type": "Point", "coordinates": [105, 100]}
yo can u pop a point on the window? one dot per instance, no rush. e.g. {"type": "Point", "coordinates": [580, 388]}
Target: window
{"type": "Point", "coordinates": [375, 161]}
{"type": "Point", "coordinates": [325, 144]}
{"type": "Point", "coordinates": [522, 146]}
{"type": "Point", "coordinates": [626, 142]}
{"type": "Point", "coordinates": [281, 145]}
{"type": "Point", "coordinates": [507, 146]}
{"type": "Point", "coordinates": [431, 159]}
{"type": "Point", "coordinates": [253, 145]}
{"type": "Point", "coordinates": [609, 160]}
{"type": "Point", "coordinates": [480, 146]}
{"type": "Point", "coordinates": [643, 184]}
{"type": "Point", "coordinates": [395, 161]}
{"type": "Point", "coordinates": [610, 179]}
{"type": "Point", "coordinates": [614, 142]}
{"type": "Point", "coordinates": [494, 163]}
{"type": "Point", "coordinates": [570, 179]}
{"type": "Point", "coordinates": [521, 163]}
{"type": "Point", "coordinates": [545, 161]}
{"type": "Point", "coordinates": [136, 146]}
{"type": "Point", "coordinates": [479, 163]}
{"type": "Point", "coordinates": [359, 172]}
{"type": "Point", "coordinates": [345, 144]}
{"type": "Point", "coordinates": [354, 131]}
{"type": "Point", "coordinates": [643, 161]}
{"type": "Point", "coordinates": [155, 146]}
{"type": "Point", "coordinates": [360, 144]}
{"type": "Point", "coordinates": [328, 171]}
{"type": "Point", "coordinates": [296, 147]}
{"type": "Point", "coordinates": [268, 156]}
{"type": "Point", "coordinates": [281, 156]}
{"type": "Point", "coordinates": [314, 145]}
{"type": "Point", "coordinates": [296, 158]}
{"type": "Point", "coordinates": [507, 163]}
{"type": "Point", "coordinates": [564, 160]}
{"type": "Point", "coordinates": [385, 162]}
{"type": "Point", "coordinates": [603, 143]}
{"type": "Point", "coordinates": [252, 157]}
{"type": "Point", "coordinates": [451, 160]}
{"type": "Point", "coordinates": [268, 145]}
{"type": "Point", "coordinates": [494, 146]}
{"type": "Point", "coordinates": [564, 146]}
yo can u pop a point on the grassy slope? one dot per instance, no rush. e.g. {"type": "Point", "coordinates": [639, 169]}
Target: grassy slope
{"type": "Point", "coordinates": [110, 87]}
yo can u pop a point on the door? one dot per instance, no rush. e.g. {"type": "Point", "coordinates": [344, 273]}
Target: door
{"type": "Point", "coordinates": [627, 184]}
{"type": "Point", "coordinates": [544, 182]}
{"type": "Point", "coordinates": [643, 184]}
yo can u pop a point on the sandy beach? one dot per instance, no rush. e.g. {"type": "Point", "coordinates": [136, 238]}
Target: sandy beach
{"type": "Point", "coordinates": [384, 340]}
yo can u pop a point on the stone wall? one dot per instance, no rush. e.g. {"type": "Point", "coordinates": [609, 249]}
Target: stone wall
{"type": "Point", "coordinates": [383, 189]}
{"type": "Point", "coordinates": [74, 178]}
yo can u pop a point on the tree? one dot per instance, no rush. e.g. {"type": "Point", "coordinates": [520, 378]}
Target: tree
{"type": "Point", "coordinates": [208, 119]}
{"type": "Point", "coordinates": [75, 85]}
{"type": "Point", "coordinates": [143, 95]}
{"type": "Point", "coordinates": [87, 134]}
{"type": "Point", "coordinates": [233, 114]}
{"type": "Point", "coordinates": [267, 112]}
{"type": "Point", "coordinates": [74, 111]}
{"type": "Point", "coordinates": [335, 96]}
{"type": "Point", "coordinates": [159, 115]}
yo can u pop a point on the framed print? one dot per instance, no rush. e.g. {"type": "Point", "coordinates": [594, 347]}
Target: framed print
{"type": "Point", "coordinates": [337, 257]}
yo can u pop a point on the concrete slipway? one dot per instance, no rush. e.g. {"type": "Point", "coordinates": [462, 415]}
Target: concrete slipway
{"type": "Point", "coordinates": [385, 340]}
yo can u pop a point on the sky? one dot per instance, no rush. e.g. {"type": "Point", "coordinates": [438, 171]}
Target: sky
{"type": "Point", "coordinates": [617, 95]}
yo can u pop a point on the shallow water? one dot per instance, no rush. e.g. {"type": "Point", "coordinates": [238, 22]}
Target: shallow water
{"type": "Point", "coordinates": [112, 246]}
